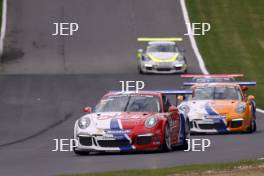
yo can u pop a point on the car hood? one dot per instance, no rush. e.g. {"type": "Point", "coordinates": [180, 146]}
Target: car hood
{"type": "Point", "coordinates": [211, 107]}
{"type": "Point", "coordinates": [118, 120]}
{"type": "Point", "coordinates": [163, 55]}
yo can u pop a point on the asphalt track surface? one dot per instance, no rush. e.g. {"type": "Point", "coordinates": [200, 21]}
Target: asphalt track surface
{"type": "Point", "coordinates": [46, 80]}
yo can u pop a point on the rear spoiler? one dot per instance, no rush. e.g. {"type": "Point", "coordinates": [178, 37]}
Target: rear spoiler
{"type": "Point", "coordinates": [212, 75]}
{"type": "Point", "coordinates": [248, 83]}
{"type": "Point", "coordinates": [175, 92]}
{"type": "Point", "coordinates": [167, 92]}
{"type": "Point", "coordinates": [153, 39]}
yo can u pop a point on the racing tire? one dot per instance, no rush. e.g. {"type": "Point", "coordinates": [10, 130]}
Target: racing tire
{"type": "Point", "coordinates": [187, 135]}
{"type": "Point", "coordinates": [253, 126]}
{"type": "Point", "coordinates": [166, 146]}
{"type": "Point", "coordinates": [140, 70]}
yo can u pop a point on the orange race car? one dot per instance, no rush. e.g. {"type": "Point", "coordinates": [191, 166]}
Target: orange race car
{"type": "Point", "coordinates": [220, 107]}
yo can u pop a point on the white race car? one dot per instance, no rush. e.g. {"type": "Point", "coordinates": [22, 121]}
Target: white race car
{"type": "Point", "coordinates": [161, 55]}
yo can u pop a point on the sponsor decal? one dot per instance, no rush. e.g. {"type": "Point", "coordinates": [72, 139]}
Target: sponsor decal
{"type": "Point", "coordinates": [117, 131]}
{"type": "Point", "coordinates": [215, 117]}
{"type": "Point", "coordinates": [116, 125]}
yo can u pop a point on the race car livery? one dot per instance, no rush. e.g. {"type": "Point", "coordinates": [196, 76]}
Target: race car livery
{"type": "Point", "coordinates": [128, 121]}
{"type": "Point", "coordinates": [214, 78]}
{"type": "Point", "coordinates": [161, 56]}
{"type": "Point", "coordinates": [220, 108]}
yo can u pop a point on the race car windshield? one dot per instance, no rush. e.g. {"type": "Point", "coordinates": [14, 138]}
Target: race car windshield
{"type": "Point", "coordinates": [161, 48]}
{"type": "Point", "coordinates": [131, 103]}
{"type": "Point", "coordinates": [217, 93]}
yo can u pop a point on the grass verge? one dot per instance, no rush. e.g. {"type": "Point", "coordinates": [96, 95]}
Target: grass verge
{"type": "Point", "coordinates": [190, 170]}
{"type": "Point", "coordinates": [235, 43]}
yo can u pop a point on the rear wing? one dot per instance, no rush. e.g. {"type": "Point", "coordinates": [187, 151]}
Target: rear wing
{"type": "Point", "coordinates": [176, 92]}
{"type": "Point", "coordinates": [153, 39]}
{"type": "Point", "coordinates": [212, 75]}
{"type": "Point", "coordinates": [248, 83]}
{"type": "Point", "coordinates": [167, 92]}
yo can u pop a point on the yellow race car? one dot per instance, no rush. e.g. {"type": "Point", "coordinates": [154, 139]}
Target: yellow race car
{"type": "Point", "coordinates": [161, 55]}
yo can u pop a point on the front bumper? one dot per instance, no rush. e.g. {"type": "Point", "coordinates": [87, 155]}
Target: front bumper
{"type": "Point", "coordinates": [95, 142]}
{"type": "Point", "coordinates": [218, 125]}
{"type": "Point", "coordinates": [167, 68]}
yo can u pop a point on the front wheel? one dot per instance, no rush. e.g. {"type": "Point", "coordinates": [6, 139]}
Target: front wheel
{"type": "Point", "coordinates": [187, 135]}
{"type": "Point", "coordinates": [253, 126]}
{"type": "Point", "coordinates": [166, 146]}
{"type": "Point", "coordinates": [186, 70]}
{"type": "Point", "coordinates": [140, 70]}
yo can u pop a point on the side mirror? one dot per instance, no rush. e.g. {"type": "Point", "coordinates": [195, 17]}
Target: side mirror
{"type": "Point", "coordinates": [87, 109]}
{"type": "Point", "coordinates": [173, 109]}
{"type": "Point", "coordinates": [251, 97]}
{"type": "Point", "coordinates": [140, 50]}
{"type": "Point", "coordinates": [244, 88]}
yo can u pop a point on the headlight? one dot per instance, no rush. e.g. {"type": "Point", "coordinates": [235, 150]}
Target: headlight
{"type": "Point", "coordinates": [241, 107]}
{"type": "Point", "coordinates": [84, 123]}
{"type": "Point", "coordinates": [145, 58]}
{"type": "Point", "coordinates": [184, 108]}
{"type": "Point", "coordinates": [148, 65]}
{"type": "Point", "coordinates": [178, 65]}
{"type": "Point", "coordinates": [151, 122]}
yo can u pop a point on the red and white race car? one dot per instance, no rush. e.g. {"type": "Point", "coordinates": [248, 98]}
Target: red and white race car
{"type": "Point", "coordinates": [127, 121]}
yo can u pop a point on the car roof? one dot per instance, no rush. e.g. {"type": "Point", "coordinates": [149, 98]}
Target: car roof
{"type": "Point", "coordinates": [161, 43]}
{"type": "Point", "coordinates": [112, 93]}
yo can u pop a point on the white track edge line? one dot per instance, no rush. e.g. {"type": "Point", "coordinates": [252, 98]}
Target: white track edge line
{"type": "Point", "coordinates": [194, 45]}
{"type": "Point", "coordinates": [192, 39]}
{"type": "Point", "coordinates": [260, 110]}
{"type": "Point", "coordinates": [3, 27]}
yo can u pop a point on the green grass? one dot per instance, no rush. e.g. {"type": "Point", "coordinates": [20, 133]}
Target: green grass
{"type": "Point", "coordinates": [235, 43]}
{"type": "Point", "coordinates": [176, 170]}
